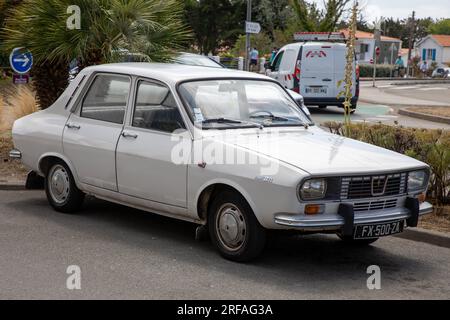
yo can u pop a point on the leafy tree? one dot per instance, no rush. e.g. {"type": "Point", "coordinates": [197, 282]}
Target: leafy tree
{"type": "Point", "coordinates": [272, 15]}
{"type": "Point", "coordinates": [215, 22]}
{"type": "Point", "coordinates": [440, 27]}
{"type": "Point", "coordinates": [149, 27]}
{"type": "Point", "coordinates": [311, 18]}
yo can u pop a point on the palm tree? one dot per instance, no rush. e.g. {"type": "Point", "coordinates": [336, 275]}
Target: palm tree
{"type": "Point", "coordinates": [152, 28]}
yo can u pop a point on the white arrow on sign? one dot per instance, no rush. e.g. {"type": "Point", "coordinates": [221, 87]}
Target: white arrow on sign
{"type": "Point", "coordinates": [252, 27]}
{"type": "Point", "coordinates": [25, 60]}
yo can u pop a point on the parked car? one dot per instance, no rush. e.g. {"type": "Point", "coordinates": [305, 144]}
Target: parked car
{"type": "Point", "coordinates": [228, 150]}
{"type": "Point", "coordinates": [441, 72]}
{"type": "Point", "coordinates": [316, 70]}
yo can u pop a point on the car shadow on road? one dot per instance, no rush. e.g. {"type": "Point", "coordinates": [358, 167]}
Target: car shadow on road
{"type": "Point", "coordinates": [288, 259]}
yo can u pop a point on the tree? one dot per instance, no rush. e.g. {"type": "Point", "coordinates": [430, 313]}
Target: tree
{"type": "Point", "coordinates": [215, 22]}
{"type": "Point", "coordinates": [149, 27]}
{"type": "Point", "coordinates": [272, 15]}
{"type": "Point", "coordinates": [311, 18]}
{"type": "Point", "coordinates": [440, 27]}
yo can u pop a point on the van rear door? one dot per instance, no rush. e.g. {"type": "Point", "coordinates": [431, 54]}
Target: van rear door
{"type": "Point", "coordinates": [317, 78]}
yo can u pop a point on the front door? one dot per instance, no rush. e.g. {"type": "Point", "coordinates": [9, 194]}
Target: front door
{"type": "Point", "coordinates": [92, 132]}
{"type": "Point", "coordinates": [148, 166]}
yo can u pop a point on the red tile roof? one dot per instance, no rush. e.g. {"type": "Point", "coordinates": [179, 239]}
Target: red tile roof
{"type": "Point", "coordinates": [442, 39]}
{"type": "Point", "coordinates": [367, 35]}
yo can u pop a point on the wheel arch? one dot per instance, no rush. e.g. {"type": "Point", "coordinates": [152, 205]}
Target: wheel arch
{"type": "Point", "coordinates": [211, 190]}
{"type": "Point", "coordinates": [46, 160]}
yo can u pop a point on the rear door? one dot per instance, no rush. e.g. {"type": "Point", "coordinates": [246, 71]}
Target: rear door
{"type": "Point", "coordinates": [317, 71]}
{"type": "Point", "coordinates": [92, 132]}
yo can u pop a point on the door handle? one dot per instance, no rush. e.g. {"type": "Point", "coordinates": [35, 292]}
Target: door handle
{"type": "Point", "coordinates": [129, 135]}
{"type": "Point", "coordinates": [73, 126]}
{"type": "Point", "coordinates": [327, 80]}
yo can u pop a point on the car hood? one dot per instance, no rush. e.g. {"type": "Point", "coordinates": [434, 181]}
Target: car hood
{"type": "Point", "coordinates": [320, 153]}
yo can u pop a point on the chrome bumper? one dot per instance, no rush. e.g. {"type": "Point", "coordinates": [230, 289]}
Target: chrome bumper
{"type": "Point", "coordinates": [336, 222]}
{"type": "Point", "coordinates": [15, 154]}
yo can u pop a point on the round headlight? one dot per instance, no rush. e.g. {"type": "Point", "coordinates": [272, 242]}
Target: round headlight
{"type": "Point", "coordinates": [314, 189]}
{"type": "Point", "coordinates": [417, 180]}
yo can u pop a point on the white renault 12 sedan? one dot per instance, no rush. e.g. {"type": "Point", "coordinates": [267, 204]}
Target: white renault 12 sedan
{"type": "Point", "coordinates": [228, 150]}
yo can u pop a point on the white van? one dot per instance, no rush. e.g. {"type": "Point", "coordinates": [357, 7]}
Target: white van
{"type": "Point", "coordinates": [314, 69]}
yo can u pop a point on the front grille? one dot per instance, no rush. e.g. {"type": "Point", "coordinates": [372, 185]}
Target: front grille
{"type": "Point", "coordinates": [375, 205]}
{"type": "Point", "coordinates": [366, 187]}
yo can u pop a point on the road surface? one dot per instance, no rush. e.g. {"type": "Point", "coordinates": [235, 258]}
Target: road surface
{"type": "Point", "coordinates": [127, 254]}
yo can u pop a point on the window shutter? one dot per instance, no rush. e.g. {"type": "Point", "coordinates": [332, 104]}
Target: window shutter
{"type": "Point", "coordinates": [424, 54]}
{"type": "Point", "coordinates": [434, 54]}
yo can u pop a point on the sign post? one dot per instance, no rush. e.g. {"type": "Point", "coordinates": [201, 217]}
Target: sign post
{"type": "Point", "coordinates": [247, 37]}
{"type": "Point", "coordinates": [21, 61]}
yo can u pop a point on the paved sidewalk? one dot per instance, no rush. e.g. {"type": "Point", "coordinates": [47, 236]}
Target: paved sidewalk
{"type": "Point", "coordinates": [380, 96]}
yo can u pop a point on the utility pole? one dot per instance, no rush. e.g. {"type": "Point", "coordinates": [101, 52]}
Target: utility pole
{"type": "Point", "coordinates": [247, 38]}
{"type": "Point", "coordinates": [377, 48]}
{"type": "Point", "coordinates": [412, 35]}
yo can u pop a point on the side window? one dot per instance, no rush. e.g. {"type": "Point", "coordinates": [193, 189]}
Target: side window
{"type": "Point", "coordinates": [277, 62]}
{"type": "Point", "coordinates": [289, 60]}
{"type": "Point", "coordinates": [107, 98]}
{"type": "Point", "coordinates": [156, 108]}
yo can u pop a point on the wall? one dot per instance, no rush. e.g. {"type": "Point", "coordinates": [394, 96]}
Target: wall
{"type": "Point", "coordinates": [431, 44]}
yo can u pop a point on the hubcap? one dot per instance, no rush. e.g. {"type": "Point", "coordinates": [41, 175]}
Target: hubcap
{"type": "Point", "coordinates": [231, 227]}
{"type": "Point", "coordinates": [59, 184]}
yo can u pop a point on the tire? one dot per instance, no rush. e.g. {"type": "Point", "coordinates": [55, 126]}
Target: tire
{"type": "Point", "coordinates": [234, 229]}
{"type": "Point", "coordinates": [357, 243]}
{"type": "Point", "coordinates": [323, 107]}
{"type": "Point", "coordinates": [61, 190]}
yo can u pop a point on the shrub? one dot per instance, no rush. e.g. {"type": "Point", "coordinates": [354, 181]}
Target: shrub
{"type": "Point", "coordinates": [21, 102]}
{"type": "Point", "coordinates": [429, 146]}
{"type": "Point", "coordinates": [383, 70]}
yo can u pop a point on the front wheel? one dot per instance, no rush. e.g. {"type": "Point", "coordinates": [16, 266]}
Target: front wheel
{"type": "Point", "coordinates": [61, 190]}
{"type": "Point", "coordinates": [234, 229]}
{"type": "Point", "coordinates": [357, 242]}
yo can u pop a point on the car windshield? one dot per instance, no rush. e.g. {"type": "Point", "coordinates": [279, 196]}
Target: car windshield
{"type": "Point", "coordinates": [238, 103]}
{"type": "Point", "coordinates": [197, 60]}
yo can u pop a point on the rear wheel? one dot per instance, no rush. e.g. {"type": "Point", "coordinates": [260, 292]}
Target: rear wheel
{"type": "Point", "coordinates": [323, 107]}
{"type": "Point", "coordinates": [357, 242]}
{"type": "Point", "coordinates": [61, 190]}
{"type": "Point", "coordinates": [234, 229]}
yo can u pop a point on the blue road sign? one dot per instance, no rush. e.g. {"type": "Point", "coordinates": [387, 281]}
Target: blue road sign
{"type": "Point", "coordinates": [21, 60]}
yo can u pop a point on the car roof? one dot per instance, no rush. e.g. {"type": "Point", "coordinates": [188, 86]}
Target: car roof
{"type": "Point", "coordinates": [313, 43]}
{"type": "Point", "coordinates": [172, 73]}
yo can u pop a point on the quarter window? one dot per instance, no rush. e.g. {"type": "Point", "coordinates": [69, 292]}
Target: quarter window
{"type": "Point", "coordinates": [277, 62]}
{"type": "Point", "coordinates": [107, 98]}
{"type": "Point", "coordinates": [156, 109]}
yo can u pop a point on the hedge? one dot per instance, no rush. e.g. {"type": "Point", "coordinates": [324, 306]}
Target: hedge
{"type": "Point", "coordinates": [383, 70]}
{"type": "Point", "coordinates": [426, 145]}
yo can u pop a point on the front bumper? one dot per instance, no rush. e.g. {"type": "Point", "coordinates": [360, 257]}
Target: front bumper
{"type": "Point", "coordinates": [337, 222]}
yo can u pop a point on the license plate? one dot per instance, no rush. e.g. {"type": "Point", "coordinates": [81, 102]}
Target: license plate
{"type": "Point", "coordinates": [372, 231]}
{"type": "Point", "coordinates": [316, 90]}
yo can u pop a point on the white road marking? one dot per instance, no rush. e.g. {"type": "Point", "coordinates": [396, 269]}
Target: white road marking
{"type": "Point", "coordinates": [432, 89]}
{"type": "Point", "coordinates": [405, 88]}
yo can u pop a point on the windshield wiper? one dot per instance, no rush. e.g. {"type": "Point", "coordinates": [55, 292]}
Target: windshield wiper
{"type": "Point", "coordinates": [231, 121]}
{"type": "Point", "coordinates": [271, 117]}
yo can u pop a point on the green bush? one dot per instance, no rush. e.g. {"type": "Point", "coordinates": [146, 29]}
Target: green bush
{"type": "Point", "coordinates": [429, 146]}
{"type": "Point", "coordinates": [383, 70]}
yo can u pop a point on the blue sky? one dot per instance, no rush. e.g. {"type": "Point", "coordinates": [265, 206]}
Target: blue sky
{"type": "Point", "coordinates": [403, 8]}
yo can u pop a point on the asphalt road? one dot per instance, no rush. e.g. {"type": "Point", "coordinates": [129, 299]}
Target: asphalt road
{"type": "Point", "coordinates": [127, 254]}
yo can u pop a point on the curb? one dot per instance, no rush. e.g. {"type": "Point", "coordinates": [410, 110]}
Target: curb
{"type": "Point", "coordinates": [423, 116]}
{"type": "Point", "coordinates": [16, 186]}
{"type": "Point", "coordinates": [435, 238]}
{"type": "Point", "coordinates": [397, 105]}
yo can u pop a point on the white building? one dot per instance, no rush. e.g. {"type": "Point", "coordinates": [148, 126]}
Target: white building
{"type": "Point", "coordinates": [365, 47]}
{"type": "Point", "coordinates": [434, 48]}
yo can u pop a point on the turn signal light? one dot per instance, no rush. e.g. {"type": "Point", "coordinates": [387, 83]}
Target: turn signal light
{"type": "Point", "coordinates": [313, 209]}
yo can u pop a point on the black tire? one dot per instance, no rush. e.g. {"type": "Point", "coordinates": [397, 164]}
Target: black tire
{"type": "Point", "coordinates": [323, 107]}
{"type": "Point", "coordinates": [74, 197]}
{"type": "Point", "coordinates": [254, 235]}
{"type": "Point", "coordinates": [358, 243]}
